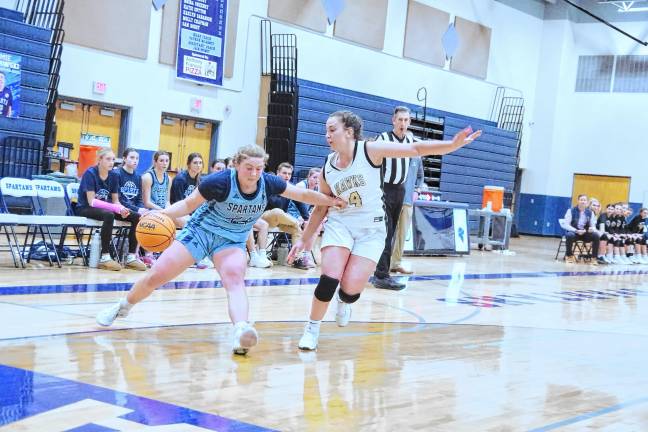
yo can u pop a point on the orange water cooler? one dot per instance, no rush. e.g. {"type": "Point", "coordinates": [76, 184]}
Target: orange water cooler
{"type": "Point", "coordinates": [493, 195]}
{"type": "Point", "coordinates": [87, 158]}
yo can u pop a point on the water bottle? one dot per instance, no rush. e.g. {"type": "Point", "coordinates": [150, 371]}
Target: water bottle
{"type": "Point", "coordinates": [282, 254]}
{"type": "Point", "coordinates": [95, 249]}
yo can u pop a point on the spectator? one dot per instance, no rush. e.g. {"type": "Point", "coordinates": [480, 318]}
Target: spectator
{"type": "Point", "coordinates": [130, 196]}
{"type": "Point", "coordinates": [276, 215]}
{"type": "Point", "coordinates": [155, 183]}
{"type": "Point", "coordinates": [217, 166]}
{"type": "Point", "coordinates": [637, 229]}
{"type": "Point", "coordinates": [186, 181]}
{"type": "Point", "coordinates": [579, 224]}
{"type": "Point", "coordinates": [603, 223]}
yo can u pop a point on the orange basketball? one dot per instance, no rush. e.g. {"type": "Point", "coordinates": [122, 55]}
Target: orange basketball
{"type": "Point", "coordinates": [155, 232]}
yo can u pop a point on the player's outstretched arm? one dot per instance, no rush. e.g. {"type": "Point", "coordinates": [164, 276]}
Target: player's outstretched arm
{"type": "Point", "coordinates": [309, 196]}
{"type": "Point", "coordinates": [381, 149]}
{"type": "Point", "coordinates": [185, 206]}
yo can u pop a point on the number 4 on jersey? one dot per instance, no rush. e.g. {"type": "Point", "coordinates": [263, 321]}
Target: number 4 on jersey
{"type": "Point", "coordinates": [355, 199]}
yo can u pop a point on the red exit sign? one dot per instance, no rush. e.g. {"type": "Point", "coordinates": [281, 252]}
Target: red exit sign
{"type": "Point", "coordinates": [99, 87]}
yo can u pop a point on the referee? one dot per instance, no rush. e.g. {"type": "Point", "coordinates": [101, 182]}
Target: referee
{"type": "Point", "coordinates": [395, 174]}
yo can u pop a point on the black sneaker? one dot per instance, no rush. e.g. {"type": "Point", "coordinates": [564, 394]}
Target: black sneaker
{"type": "Point", "coordinates": [601, 261]}
{"type": "Point", "coordinates": [388, 283]}
{"type": "Point", "coordinates": [300, 263]}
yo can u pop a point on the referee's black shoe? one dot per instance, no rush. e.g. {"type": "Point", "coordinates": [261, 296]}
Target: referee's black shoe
{"type": "Point", "coordinates": [388, 283]}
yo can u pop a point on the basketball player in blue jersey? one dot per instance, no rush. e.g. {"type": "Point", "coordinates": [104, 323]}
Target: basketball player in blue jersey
{"type": "Point", "coordinates": [354, 237]}
{"type": "Point", "coordinates": [225, 206]}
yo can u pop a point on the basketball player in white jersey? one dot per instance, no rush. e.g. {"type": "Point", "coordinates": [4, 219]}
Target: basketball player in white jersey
{"type": "Point", "coordinates": [354, 238]}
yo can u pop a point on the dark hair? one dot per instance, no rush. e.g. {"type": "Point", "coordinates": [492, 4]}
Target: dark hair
{"type": "Point", "coordinates": [285, 165]}
{"type": "Point", "coordinates": [215, 161]}
{"type": "Point", "coordinates": [609, 205]}
{"type": "Point", "coordinates": [350, 120]}
{"type": "Point", "coordinates": [193, 156]}
{"type": "Point", "coordinates": [159, 153]}
{"type": "Point", "coordinates": [128, 151]}
{"type": "Point", "coordinates": [581, 196]}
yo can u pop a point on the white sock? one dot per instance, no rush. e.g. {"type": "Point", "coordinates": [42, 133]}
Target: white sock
{"type": "Point", "coordinates": [123, 303]}
{"type": "Point", "coordinates": [253, 254]}
{"type": "Point", "coordinates": [263, 252]}
{"type": "Point", "coordinates": [105, 257]}
{"type": "Point", "coordinates": [131, 257]}
{"type": "Point", "coordinates": [314, 325]}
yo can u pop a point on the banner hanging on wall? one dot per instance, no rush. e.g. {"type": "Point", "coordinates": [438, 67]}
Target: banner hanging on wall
{"type": "Point", "coordinates": [9, 85]}
{"type": "Point", "coordinates": [201, 40]}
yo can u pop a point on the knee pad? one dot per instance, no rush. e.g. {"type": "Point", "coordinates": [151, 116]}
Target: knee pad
{"type": "Point", "coordinates": [629, 242]}
{"type": "Point", "coordinates": [618, 243]}
{"type": "Point", "coordinates": [348, 298]}
{"type": "Point", "coordinates": [325, 289]}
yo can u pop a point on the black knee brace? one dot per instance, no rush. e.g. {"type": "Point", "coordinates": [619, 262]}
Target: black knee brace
{"type": "Point", "coordinates": [629, 242]}
{"type": "Point", "coordinates": [325, 289]}
{"type": "Point", "coordinates": [618, 243]}
{"type": "Point", "coordinates": [348, 298]}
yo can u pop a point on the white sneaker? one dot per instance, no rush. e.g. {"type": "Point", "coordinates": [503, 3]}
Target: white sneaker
{"type": "Point", "coordinates": [244, 337]}
{"type": "Point", "coordinates": [309, 339]}
{"type": "Point", "coordinates": [260, 261]}
{"type": "Point", "coordinates": [343, 315]}
{"type": "Point", "coordinates": [108, 316]}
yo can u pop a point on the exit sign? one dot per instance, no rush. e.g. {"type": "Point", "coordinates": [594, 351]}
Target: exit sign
{"type": "Point", "coordinates": [99, 87]}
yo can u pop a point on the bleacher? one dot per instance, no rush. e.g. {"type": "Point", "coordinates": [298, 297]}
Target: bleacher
{"type": "Point", "coordinates": [491, 160]}
{"type": "Point", "coordinates": [32, 43]}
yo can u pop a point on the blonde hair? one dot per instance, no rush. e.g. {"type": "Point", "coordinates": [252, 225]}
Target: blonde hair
{"type": "Point", "coordinates": [250, 151]}
{"type": "Point", "coordinates": [592, 201]}
{"type": "Point", "coordinates": [103, 152]}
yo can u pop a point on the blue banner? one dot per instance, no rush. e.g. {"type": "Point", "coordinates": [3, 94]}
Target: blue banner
{"type": "Point", "coordinates": [201, 40]}
{"type": "Point", "coordinates": [9, 85]}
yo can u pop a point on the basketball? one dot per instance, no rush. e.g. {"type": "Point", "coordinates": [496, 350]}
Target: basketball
{"type": "Point", "coordinates": [155, 232]}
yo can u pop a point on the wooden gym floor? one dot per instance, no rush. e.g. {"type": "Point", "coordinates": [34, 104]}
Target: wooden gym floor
{"type": "Point", "coordinates": [487, 342]}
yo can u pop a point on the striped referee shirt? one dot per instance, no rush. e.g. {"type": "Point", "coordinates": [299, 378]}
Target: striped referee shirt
{"type": "Point", "coordinates": [395, 169]}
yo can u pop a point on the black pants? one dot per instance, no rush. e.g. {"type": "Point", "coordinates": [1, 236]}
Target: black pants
{"type": "Point", "coordinates": [393, 197]}
{"type": "Point", "coordinates": [571, 237]}
{"type": "Point", "coordinates": [108, 219]}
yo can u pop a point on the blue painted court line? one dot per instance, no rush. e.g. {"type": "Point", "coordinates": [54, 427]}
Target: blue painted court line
{"type": "Point", "coordinates": [110, 287]}
{"type": "Point", "coordinates": [26, 393]}
{"type": "Point", "coordinates": [590, 415]}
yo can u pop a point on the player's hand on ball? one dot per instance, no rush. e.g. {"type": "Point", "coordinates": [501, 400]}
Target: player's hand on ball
{"type": "Point", "coordinates": [124, 212]}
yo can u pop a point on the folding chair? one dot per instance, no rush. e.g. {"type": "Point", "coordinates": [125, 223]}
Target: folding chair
{"type": "Point", "coordinates": [51, 194]}
{"type": "Point", "coordinates": [582, 250]}
{"type": "Point", "coordinates": [20, 194]}
{"type": "Point", "coordinates": [8, 224]}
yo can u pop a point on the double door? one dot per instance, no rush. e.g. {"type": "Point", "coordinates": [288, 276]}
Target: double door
{"type": "Point", "coordinates": [73, 119]}
{"type": "Point", "coordinates": [181, 137]}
